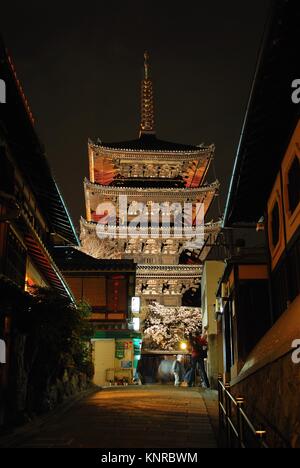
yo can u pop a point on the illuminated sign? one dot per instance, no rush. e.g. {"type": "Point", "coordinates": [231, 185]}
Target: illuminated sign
{"type": "Point", "coordinates": [135, 305]}
{"type": "Point", "coordinates": [136, 324]}
{"type": "Point", "coordinates": [120, 350]}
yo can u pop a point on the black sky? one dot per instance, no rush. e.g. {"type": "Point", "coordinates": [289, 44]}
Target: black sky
{"type": "Point", "coordinates": [81, 65]}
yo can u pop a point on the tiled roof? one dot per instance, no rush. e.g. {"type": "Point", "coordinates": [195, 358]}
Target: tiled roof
{"type": "Point", "coordinates": [270, 119]}
{"type": "Point", "coordinates": [72, 259]}
{"type": "Point", "coordinates": [16, 123]}
{"type": "Point", "coordinates": [148, 142]}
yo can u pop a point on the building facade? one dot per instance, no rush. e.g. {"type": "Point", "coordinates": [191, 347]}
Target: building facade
{"type": "Point", "coordinates": [259, 295]}
{"type": "Point", "coordinates": [108, 287]}
{"type": "Point", "coordinates": [33, 215]}
{"type": "Point", "coordinates": [212, 273]}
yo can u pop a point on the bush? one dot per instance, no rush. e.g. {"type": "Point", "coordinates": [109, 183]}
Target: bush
{"type": "Point", "coordinates": [49, 335]}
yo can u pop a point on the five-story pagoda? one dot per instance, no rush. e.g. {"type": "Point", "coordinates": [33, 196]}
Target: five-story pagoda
{"type": "Point", "coordinates": [155, 179]}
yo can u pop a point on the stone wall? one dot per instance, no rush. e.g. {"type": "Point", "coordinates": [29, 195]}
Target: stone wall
{"type": "Point", "coordinates": [71, 383]}
{"type": "Point", "coordinates": [24, 402]}
{"type": "Point", "coordinates": [29, 393]}
{"type": "Point", "coordinates": [272, 397]}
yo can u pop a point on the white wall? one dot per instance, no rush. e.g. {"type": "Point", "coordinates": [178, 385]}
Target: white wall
{"type": "Point", "coordinates": [104, 358]}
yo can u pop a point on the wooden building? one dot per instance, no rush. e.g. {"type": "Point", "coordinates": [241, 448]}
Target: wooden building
{"type": "Point", "coordinates": [259, 305]}
{"type": "Point", "coordinates": [33, 215]}
{"type": "Point", "coordinates": [108, 286]}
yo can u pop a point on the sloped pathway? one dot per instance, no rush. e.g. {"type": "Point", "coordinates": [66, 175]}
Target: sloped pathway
{"type": "Point", "coordinates": [131, 417]}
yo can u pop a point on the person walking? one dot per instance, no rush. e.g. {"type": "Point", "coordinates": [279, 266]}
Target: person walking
{"type": "Point", "coordinates": [139, 377]}
{"type": "Point", "coordinates": [177, 370]}
{"type": "Point", "coordinates": [198, 346]}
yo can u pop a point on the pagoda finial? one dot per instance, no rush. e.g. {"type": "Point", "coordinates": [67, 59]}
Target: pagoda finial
{"type": "Point", "coordinates": [146, 64]}
{"type": "Point", "coordinates": [147, 100]}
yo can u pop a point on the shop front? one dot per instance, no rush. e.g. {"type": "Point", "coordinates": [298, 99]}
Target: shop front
{"type": "Point", "coordinates": [116, 357]}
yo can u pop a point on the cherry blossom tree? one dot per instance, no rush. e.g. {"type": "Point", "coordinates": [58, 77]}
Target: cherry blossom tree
{"type": "Point", "coordinates": [166, 327]}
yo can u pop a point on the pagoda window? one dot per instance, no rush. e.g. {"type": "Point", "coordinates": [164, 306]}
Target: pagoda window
{"type": "Point", "coordinates": [294, 184]}
{"type": "Point", "coordinates": [275, 225]}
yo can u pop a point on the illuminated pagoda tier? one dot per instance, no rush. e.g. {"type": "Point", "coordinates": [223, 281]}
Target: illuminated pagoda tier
{"type": "Point", "coordinates": [149, 171]}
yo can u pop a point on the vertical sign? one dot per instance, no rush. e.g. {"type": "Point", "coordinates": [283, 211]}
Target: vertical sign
{"type": "Point", "coordinates": [117, 294]}
{"type": "Point", "coordinates": [120, 350]}
{"type": "Point", "coordinates": [135, 305]}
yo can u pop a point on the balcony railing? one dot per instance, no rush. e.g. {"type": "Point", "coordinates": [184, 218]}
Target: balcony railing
{"type": "Point", "coordinates": [236, 429]}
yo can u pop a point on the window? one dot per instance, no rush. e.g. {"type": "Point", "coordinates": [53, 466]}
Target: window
{"type": "Point", "coordinates": [286, 280]}
{"type": "Point", "coordinates": [75, 285]}
{"type": "Point", "coordinates": [294, 184]}
{"type": "Point", "coordinates": [275, 225]}
{"type": "Point", "coordinates": [89, 289]}
{"type": "Point", "coordinates": [254, 315]}
{"type": "Point", "coordinates": [94, 291]}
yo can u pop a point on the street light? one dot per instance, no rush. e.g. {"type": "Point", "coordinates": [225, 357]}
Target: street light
{"type": "Point", "coordinates": [183, 346]}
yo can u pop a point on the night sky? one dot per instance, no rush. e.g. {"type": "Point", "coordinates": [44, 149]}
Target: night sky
{"type": "Point", "coordinates": [81, 65]}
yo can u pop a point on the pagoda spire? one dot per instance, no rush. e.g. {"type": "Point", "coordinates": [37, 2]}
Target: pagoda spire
{"type": "Point", "coordinates": [147, 101]}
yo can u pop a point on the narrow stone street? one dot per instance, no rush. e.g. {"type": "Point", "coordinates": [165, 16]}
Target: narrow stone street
{"type": "Point", "coordinates": [131, 417]}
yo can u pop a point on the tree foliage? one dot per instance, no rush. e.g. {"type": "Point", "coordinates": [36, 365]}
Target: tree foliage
{"type": "Point", "coordinates": [166, 327]}
{"type": "Point", "coordinates": [56, 332]}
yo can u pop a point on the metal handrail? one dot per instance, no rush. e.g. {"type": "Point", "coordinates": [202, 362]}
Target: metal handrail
{"type": "Point", "coordinates": [235, 433]}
